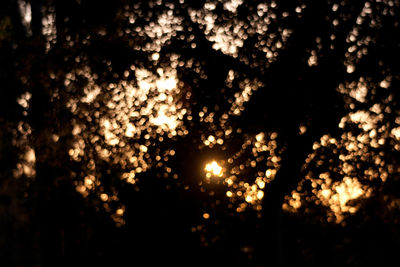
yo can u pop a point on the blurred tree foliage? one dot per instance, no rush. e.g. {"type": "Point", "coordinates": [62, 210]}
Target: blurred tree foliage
{"type": "Point", "coordinates": [110, 111]}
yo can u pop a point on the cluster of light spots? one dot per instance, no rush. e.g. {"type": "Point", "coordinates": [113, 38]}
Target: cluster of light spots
{"type": "Point", "coordinates": [270, 174]}
{"type": "Point", "coordinates": [77, 151]}
{"type": "Point", "coordinates": [230, 77]}
{"type": "Point", "coordinates": [26, 165]}
{"type": "Point", "coordinates": [121, 123]}
{"type": "Point", "coordinates": [253, 193]}
{"type": "Point", "coordinates": [270, 36]}
{"type": "Point", "coordinates": [26, 14]}
{"type": "Point", "coordinates": [293, 202]}
{"type": "Point", "coordinates": [211, 140]}
{"type": "Point", "coordinates": [160, 31]}
{"type": "Point", "coordinates": [313, 59]}
{"type": "Point", "coordinates": [366, 120]}
{"type": "Point", "coordinates": [130, 176]}
{"type": "Point", "coordinates": [88, 184]}
{"type": "Point", "coordinates": [26, 161]}
{"type": "Point", "coordinates": [302, 129]}
{"type": "Point", "coordinates": [339, 194]}
{"type": "Point", "coordinates": [225, 42]}
{"type": "Point", "coordinates": [396, 133]}
{"type": "Point", "coordinates": [49, 29]}
{"type": "Point", "coordinates": [232, 5]}
{"type": "Point", "coordinates": [340, 171]}
{"type": "Point", "coordinates": [109, 129]}
{"type": "Point", "coordinates": [162, 110]}
{"type": "Point", "coordinates": [110, 200]}
{"type": "Point", "coordinates": [229, 34]}
{"type": "Point", "coordinates": [23, 101]}
{"type": "Point", "coordinates": [259, 157]}
{"type": "Point", "coordinates": [117, 216]}
{"type": "Point", "coordinates": [164, 120]}
{"type": "Point", "coordinates": [113, 206]}
{"type": "Point", "coordinates": [358, 44]}
{"type": "Point", "coordinates": [213, 169]}
{"type": "Point", "coordinates": [248, 87]}
{"type": "Point", "coordinates": [385, 83]}
{"type": "Point", "coordinates": [246, 194]}
{"type": "Point", "coordinates": [357, 90]}
{"type": "Point", "coordinates": [92, 90]}
{"type": "Point", "coordinates": [224, 39]}
{"type": "Point", "coordinates": [133, 112]}
{"type": "Point", "coordinates": [206, 116]}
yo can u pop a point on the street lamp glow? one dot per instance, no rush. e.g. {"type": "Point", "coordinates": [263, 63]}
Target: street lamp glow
{"type": "Point", "coordinates": [214, 168]}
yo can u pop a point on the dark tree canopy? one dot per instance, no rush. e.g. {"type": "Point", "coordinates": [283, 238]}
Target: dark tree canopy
{"type": "Point", "coordinates": [233, 132]}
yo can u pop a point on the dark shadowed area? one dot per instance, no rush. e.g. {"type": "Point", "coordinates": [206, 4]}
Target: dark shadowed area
{"type": "Point", "coordinates": [199, 133]}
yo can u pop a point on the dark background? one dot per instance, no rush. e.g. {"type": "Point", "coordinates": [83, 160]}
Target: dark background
{"type": "Point", "coordinates": [47, 219]}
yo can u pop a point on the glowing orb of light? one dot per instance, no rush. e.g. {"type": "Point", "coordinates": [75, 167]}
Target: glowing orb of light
{"type": "Point", "coordinates": [214, 168]}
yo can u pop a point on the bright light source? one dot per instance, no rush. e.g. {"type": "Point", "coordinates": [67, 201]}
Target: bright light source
{"type": "Point", "coordinates": [214, 168]}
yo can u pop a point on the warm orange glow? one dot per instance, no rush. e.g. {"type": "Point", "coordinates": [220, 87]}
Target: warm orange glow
{"type": "Point", "coordinates": [261, 184]}
{"type": "Point", "coordinates": [162, 119]}
{"type": "Point", "coordinates": [120, 211]}
{"type": "Point", "coordinates": [155, 56]}
{"type": "Point", "coordinates": [214, 168]}
{"type": "Point", "coordinates": [260, 137]}
{"type": "Point", "coordinates": [104, 197]}
{"type": "Point", "coordinates": [260, 194]}
{"type": "Point", "coordinates": [249, 199]}
{"type": "Point", "coordinates": [166, 84]}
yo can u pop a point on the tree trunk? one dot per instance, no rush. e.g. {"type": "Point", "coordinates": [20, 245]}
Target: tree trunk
{"type": "Point", "coordinates": [48, 217]}
{"type": "Point", "coordinates": [271, 242]}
